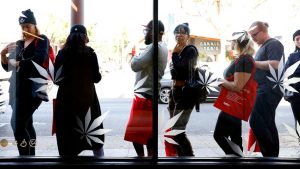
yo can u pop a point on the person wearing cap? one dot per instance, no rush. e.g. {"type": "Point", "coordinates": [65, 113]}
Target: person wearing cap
{"type": "Point", "coordinates": [22, 97]}
{"type": "Point", "coordinates": [295, 98]}
{"type": "Point", "coordinates": [236, 98]}
{"type": "Point", "coordinates": [77, 106]}
{"type": "Point", "coordinates": [184, 61]}
{"type": "Point", "coordinates": [262, 119]}
{"type": "Point", "coordinates": [139, 126]}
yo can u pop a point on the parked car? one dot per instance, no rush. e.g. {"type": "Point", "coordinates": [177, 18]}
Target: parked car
{"type": "Point", "coordinates": [4, 85]}
{"type": "Point", "coordinates": [166, 84]}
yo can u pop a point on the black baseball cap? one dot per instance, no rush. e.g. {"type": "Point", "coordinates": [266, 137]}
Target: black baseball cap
{"type": "Point", "coordinates": [78, 29]}
{"type": "Point", "coordinates": [161, 27]}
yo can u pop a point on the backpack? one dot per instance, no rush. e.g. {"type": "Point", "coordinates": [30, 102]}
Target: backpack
{"type": "Point", "coordinates": [35, 86]}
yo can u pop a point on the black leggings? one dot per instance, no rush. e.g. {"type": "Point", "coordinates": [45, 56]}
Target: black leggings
{"type": "Point", "coordinates": [24, 131]}
{"type": "Point", "coordinates": [295, 104]}
{"type": "Point", "coordinates": [139, 148]}
{"type": "Point", "coordinates": [228, 126]}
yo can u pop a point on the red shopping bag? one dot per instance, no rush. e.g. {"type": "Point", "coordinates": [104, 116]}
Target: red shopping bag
{"type": "Point", "coordinates": [238, 104]}
{"type": "Point", "coordinates": [252, 140]}
{"type": "Point", "coordinates": [170, 149]}
{"type": "Point", "coordinates": [139, 126]}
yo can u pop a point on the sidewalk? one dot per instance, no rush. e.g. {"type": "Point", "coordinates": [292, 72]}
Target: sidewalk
{"type": "Point", "coordinates": [115, 146]}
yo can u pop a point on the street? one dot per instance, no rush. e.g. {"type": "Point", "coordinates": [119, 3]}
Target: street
{"type": "Point", "coordinates": [201, 123]}
{"type": "Point", "coordinates": [199, 130]}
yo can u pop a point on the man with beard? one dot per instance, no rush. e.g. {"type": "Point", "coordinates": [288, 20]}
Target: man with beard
{"type": "Point", "coordinates": [139, 126]}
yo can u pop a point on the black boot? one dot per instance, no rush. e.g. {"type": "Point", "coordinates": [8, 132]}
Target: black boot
{"type": "Point", "coordinates": [185, 147]}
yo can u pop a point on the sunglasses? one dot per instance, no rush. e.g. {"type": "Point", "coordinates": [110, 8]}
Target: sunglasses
{"type": "Point", "coordinates": [255, 34]}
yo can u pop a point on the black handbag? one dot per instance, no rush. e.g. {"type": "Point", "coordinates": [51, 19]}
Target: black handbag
{"type": "Point", "coordinates": [193, 90]}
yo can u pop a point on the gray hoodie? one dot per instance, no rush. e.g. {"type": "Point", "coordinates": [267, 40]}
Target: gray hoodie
{"type": "Point", "coordinates": [142, 65]}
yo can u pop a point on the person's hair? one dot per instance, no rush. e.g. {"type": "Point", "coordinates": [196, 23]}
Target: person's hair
{"type": "Point", "coordinates": [297, 33]}
{"type": "Point", "coordinates": [75, 43]}
{"type": "Point", "coordinates": [247, 49]}
{"type": "Point", "coordinates": [263, 26]}
{"type": "Point", "coordinates": [185, 26]}
{"type": "Point", "coordinates": [297, 49]}
{"type": "Point", "coordinates": [37, 32]}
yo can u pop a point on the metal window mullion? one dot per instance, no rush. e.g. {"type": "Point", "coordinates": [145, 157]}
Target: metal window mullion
{"type": "Point", "coordinates": [155, 81]}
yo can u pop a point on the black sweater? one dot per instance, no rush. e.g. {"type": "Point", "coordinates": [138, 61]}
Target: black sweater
{"type": "Point", "coordinates": [183, 63]}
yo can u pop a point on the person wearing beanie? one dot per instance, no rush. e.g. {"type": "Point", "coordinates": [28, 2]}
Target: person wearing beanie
{"type": "Point", "coordinates": [268, 95]}
{"type": "Point", "coordinates": [23, 97]}
{"type": "Point", "coordinates": [238, 82]}
{"type": "Point", "coordinates": [139, 125]}
{"type": "Point", "coordinates": [293, 97]}
{"type": "Point", "coordinates": [77, 65]}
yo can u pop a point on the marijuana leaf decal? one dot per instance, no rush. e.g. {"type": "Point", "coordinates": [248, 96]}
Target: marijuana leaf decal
{"type": "Point", "coordinates": [280, 78]}
{"type": "Point", "coordinates": [88, 129]}
{"type": "Point", "coordinates": [238, 150]}
{"type": "Point", "coordinates": [138, 89]}
{"type": "Point", "coordinates": [168, 129]}
{"type": "Point", "coordinates": [293, 132]}
{"type": "Point", "coordinates": [208, 80]}
{"type": "Point", "coordinates": [48, 79]}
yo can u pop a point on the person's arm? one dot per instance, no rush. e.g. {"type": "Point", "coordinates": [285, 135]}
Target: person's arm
{"type": "Point", "coordinates": [96, 74]}
{"type": "Point", "coordinates": [242, 73]}
{"type": "Point", "coordinates": [4, 59]}
{"type": "Point", "coordinates": [139, 62]}
{"type": "Point", "coordinates": [6, 62]}
{"type": "Point", "coordinates": [264, 65]}
{"type": "Point", "coordinates": [240, 80]}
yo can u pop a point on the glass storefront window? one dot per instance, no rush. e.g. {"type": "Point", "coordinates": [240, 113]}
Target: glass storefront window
{"type": "Point", "coordinates": [115, 30]}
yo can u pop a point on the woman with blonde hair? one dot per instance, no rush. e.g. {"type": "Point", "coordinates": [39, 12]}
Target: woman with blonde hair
{"type": "Point", "coordinates": [237, 94]}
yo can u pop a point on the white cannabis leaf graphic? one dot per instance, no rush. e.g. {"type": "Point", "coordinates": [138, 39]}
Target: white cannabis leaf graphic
{"type": "Point", "coordinates": [238, 150]}
{"type": "Point", "coordinates": [280, 78]}
{"type": "Point", "coordinates": [167, 129]}
{"type": "Point", "coordinates": [138, 89]}
{"type": "Point", "coordinates": [208, 80]}
{"type": "Point", "coordinates": [293, 132]}
{"type": "Point", "coordinates": [47, 81]}
{"type": "Point", "coordinates": [88, 128]}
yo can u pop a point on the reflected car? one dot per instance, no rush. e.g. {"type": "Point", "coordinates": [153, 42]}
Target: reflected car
{"type": "Point", "coordinates": [165, 89]}
{"type": "Point", "coordinates": [2, 100]}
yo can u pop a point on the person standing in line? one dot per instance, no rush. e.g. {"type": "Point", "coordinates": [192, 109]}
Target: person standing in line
{"type": "Point", "coordinates": [184, 61]}
{"type": "Point", "coordinates": [262, 119]}
{"type": "Point", "coordinates": [139, 126]}
{"type": "Point", "coordinates": [240, 84]}
{"type": "Point", "coordinates": [22, 99]}
{"type": "Point", "coordinates": [295, 98]}
{"type": "Point", "coordinates": [77, 106]}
